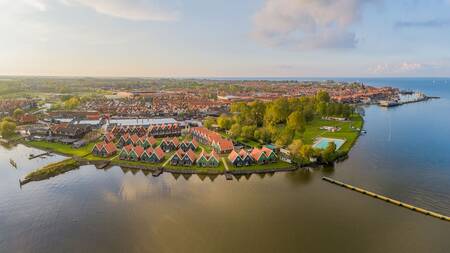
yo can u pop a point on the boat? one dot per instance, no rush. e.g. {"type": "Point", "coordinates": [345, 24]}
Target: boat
{"type": "Point", "coordinates": [13, 163]}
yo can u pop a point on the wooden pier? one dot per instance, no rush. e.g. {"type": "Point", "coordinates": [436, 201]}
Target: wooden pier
{"type": "Point", "coordinates": [389, 200]}
{"type": "Point", "coordinates": [228, 176]}
{"type": "Point", "coordinates": [32, 156]}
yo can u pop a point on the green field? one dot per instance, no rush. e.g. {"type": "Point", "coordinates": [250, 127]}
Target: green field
{"type": "Point", "coordinates": [117, 161]}
{"type": "Point", "coordinates": [313, 131]}
{"type": "Point", "coordinates": [62, 148]}
{"type": "Point", "coordinates": [198, 169]}
{"type": "Point", "coordinates": [276, 165]}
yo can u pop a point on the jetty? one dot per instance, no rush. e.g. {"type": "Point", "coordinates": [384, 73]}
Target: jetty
{"type": "Point", "coordinates": [32, 156]}
{"type": "Point", "coordinates": [387, 199]}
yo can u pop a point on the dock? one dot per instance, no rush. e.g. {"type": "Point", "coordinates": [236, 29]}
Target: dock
{"type": "Point", "coordinates": [387, 199]}
{"type": "Point", "coordinates": [32, 156]}
{"type": "Point", "coordinates": [104, 165]}
{"type": "Point", "coordinates": [157, 172]}
{"type": "Point", "coordinates": [228, 176]}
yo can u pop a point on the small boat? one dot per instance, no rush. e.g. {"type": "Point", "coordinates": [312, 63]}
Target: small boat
{"type": "Point", "coordinates": [13, 163]}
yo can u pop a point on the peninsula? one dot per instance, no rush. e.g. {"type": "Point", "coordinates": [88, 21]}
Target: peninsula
{"type": "Point", "coordinates": [188, 126]}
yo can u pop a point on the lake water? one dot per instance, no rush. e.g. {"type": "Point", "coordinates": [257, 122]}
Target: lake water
{"type": "Point", "coordinates": [405, 155]}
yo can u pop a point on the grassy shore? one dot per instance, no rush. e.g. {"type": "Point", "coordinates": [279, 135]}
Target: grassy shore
{"type": "Point", "coordinates": [197, 169]}
{"type": "Point", "coordinates": [61, 148]}
{"type": "Point", "coordinates": [279, 165]}
{"type": "Point", "coordinates": [51, 170]}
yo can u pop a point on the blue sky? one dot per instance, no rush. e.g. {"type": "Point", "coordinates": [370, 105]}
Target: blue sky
{"type": "Point", "coordinates": [267, 38]}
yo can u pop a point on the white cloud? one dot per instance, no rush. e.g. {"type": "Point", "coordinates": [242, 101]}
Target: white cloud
{"type": "Point", "coordinates": [308, 23]}
{"type": "Point", "coordinates": [38, 4]}
{"type": "Point", "coordinates": [139, 10]}
{"type": "Point", "coordinates": [404, 68]}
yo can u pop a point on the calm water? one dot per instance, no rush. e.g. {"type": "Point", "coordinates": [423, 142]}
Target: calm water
{"type": "Point", "coordinates": [405, 155]}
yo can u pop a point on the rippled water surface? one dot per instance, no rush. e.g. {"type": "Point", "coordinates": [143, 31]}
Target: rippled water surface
{"type": "Point", "coordinates": [405, 155]}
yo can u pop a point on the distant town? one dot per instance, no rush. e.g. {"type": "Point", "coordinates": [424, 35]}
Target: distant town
{"type": "Point", "coordinates": [188, 125]}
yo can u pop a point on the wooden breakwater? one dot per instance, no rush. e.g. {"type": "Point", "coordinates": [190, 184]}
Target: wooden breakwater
{"type": "Point", "coordinates": [389, 200]}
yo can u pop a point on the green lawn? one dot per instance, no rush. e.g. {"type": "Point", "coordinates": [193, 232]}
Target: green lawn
{"type": "Point", "coordinates": [51, 170]}
{"type": "Point", "coordinates": [117, 161]}
{"type": "Point", "coordinates": [275, 165]}
{"type": "Point", "coordinates": [313, 131]}
{"type": "Point", "coordinates": [198, 169]}
{"type": "Point", "coordinates": [62, 148]}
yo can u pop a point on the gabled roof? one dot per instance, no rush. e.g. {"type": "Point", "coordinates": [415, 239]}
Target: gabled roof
{"type": "Point", "coordinates": [179, 153]}
{"type": "Point", "coordinates": [110, 148]}
{"type": "Point", "coordinates": [243, 153]}
{"type": "Point", "coordinates": [127, 148]}
{"type": "Point", "coordinates": [191, 155]}
{"type": "Point", "coordinates": [233, 156]}
{"type": "Point", "coordinates": [214, 155]}
{"type": "Point", "coordinates": [139, 150]}
{"type": "Point", "coordinates": [267, 151]}
{"type": "Point", "coordinates": [134, 138]}
{"type": "Point", "coordinates": [202, 155]}
{"type": "Point", "coordinates": [257, 153]}
{"type": "Point", "coordinates": [151, 140]}
{"type": "Point", "coordinates": [99, 146]}
{"type": "Point", "coordinates": [125, 136]}
{"type": "Point", "coordinates": [149, 151]}
{"type": "Point", "coordinates": [175, 141]}
{"type": "Point", "coordinates": [158, 152]}
{"type": "Point", "coordinates": [225, 144]}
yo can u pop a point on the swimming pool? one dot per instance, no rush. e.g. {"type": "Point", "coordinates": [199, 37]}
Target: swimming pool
{"type": "Point", "coordinates": [322, 143]}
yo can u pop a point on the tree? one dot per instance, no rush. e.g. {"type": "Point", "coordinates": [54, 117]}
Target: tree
{"type": "Point", "coordinates": [328, 154]}
{"type": "Point", "coordinates": [296, 122]}
{"type": "Point", "coordinates": [224, 122]}
{"type": "Point", "coordinates": [277, 112]}
{"type": "Point", "coordinates": [323, 96]}
{"type": "Point", "coordinates": [247, 132]}
{"type": "Point", "coordinates": [263, 135]}
{"type": "Point", "coordinates": [258, 110]}
{"type": "Point", "coordinates": [7, 128]}
{"type": "Point", "coordinates": [306, 152]}
{"type": "Point", "coordinates": [208, 122]}
{"type": "Point", "coordinates": [235, 130]}
{"type": "Point", "coordinates": [285, 137]}
{"type": "Point", "coordinates": [71, 103]}
{"type": "Point", "coordinates": [18, 113]}
{"type": "Point", "coordinates": [322, 108]}
{"type": "Point", "coordinates": [9, 119]}
{"type": "Point", "coordinates": [295, 147]}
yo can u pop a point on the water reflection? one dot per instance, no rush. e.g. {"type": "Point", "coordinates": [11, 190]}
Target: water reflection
{"type": "Point", "coordinates": [300, 177]}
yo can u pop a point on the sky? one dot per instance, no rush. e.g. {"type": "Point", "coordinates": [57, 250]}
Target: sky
{"type": "Point", "coordinates": [225, 38]}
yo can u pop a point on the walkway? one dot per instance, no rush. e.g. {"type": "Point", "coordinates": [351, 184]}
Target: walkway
{"type": "Point", "coordinates": [225, 164]}
{"type": "Point", "coordinates": [168, 160]}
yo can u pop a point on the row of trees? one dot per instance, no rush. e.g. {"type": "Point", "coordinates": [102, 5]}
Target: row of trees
{"type": "Point", "coordinates": [277, 121]}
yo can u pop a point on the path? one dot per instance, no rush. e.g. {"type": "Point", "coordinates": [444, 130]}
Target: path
{"type": "Point", "coordinates": [225, 164]}
{"type": "Point", "coordinates": [168, 160]}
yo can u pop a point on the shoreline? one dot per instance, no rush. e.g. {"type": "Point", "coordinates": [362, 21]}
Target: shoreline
{"type": "Point", "coordinates": [157, 169]}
